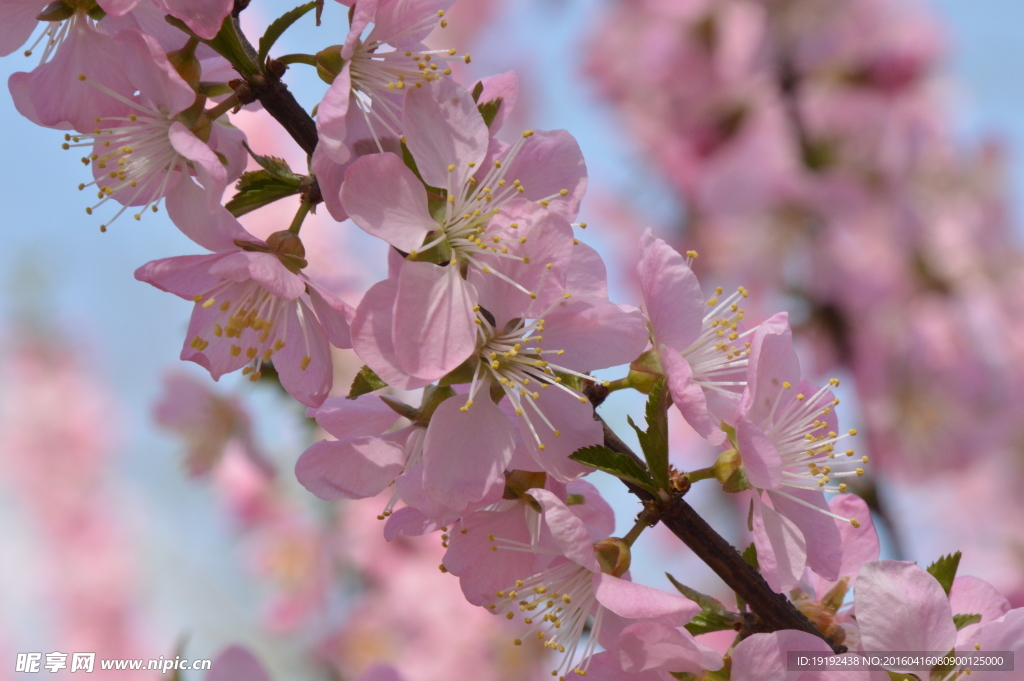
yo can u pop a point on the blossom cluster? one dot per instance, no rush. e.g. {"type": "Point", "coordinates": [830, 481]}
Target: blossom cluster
{"type": "Point", "coordinates": [498, 315]}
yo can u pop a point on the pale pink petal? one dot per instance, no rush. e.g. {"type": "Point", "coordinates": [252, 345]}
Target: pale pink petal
{"type": "Point", "coordinates": [307, 380]}
{"type": "Point", "coordinates": [386, 200]}
{"type": "Point", "coordinates": [19, 23]}
{"type": "Point", "coordinates": [971, 595]}
{"type": "Point", "coordinates": [20, 86]}
{"type": "Point", "coordinates": [480, 569]}
{"type": "Point", "coordinates": [569, 532]}
{"type": "Point", "coordinates": [344, 418]}
{"type": "Point", "coordinates": [403, 23]}
{"type": "Point", "coordinates": [198, 214]}
{"type": "Point", "coordinates": [204, 17]}
{"type": "Point", "coordinates": [410, 488]}
{"type": "Point", "coordinates": [672, 297]}
{"type": "Point", "coordinates": [573, 420]}
{"type": "Point", "coordinates": [443, 128]}
{"type": "Point", "coordinates": [549, 162]}
{"type": "Point", "coordinates": [761, 460]}
{"type": "Point", "coordinates": [227, 141]}
{"type": "Point", "coordinates": [688, 397]}
{"type": "Point", "coordinates": [465, 452]}
{"type": "Point", "coordinates": [185, 275]}
{"type": "Point", "coordinates": [194, 149]}
{"type": "Point", "coordinates": [263, 268]}
{"type": "Point", "coordinates": [147, 68]}
{"type": "Point", "coordinates": [410, 522]}
{"type": "Point", "coordinates": [824, 543]}
{"type": "Point", "coordinates": [1007, 634]}
{"type": "Point", "coordinates": [217, 357]}
{"type": "Point", "coordinates": [781, 547]}
{"type": "Point", "coordinates": [334, 314]}
{"type": "Point", "coordinates": [605, 667]}
{"type": "Point", "coordinates": [235, 663]}
{"type": "Point", "coordinates": [902, 607]}
{"type": "Point", "coordinates": [504, 86]}
{"type": "Point", "coordinates": [60, 97]}
{"type": "Point", "coordinates": [636, 601]}
{"type": "Point", "coordinates": [587, 273]}
{"type": "Point", "coordinates": [332, 116]}
{"type": "Point", "coordinates": [594, 333]}
{"type": "Point", "coordinates": [434, 328]}
{"type": "Point", "coordinates": [361, 18]}
{"type": "Point", "coordinates": [762, 657]}
{"type": "Point", "coordinates": [595, 512]}
{"type": "Point", "coordinates": [350, 469]}
{"type": "Point", "coordinates": [329, 175]}
{"type": "Point", "coordinates": [653, 645]}
{"type": "Point", "coordinates": [772, 362]}
{"type": "Point", "coordinates": [372, 339]}
{"type": "Point", "coordinates": [117, 8]}
{"type": "Point", "coordinates": [860, 544]}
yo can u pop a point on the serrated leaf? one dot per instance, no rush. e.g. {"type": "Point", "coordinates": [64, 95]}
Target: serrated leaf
{"type": "Point", "coordinates": [489, 110]}
{"type": "Point", "coordinates": [750, 556]}
{"type": "Point", "coordinates": [277, 167]}
{"type": "Point", "coordinates": [258, 188]}
{"type": "Point", "coordinates": [279, 26]}
{"type": "Point", "coordinates": [619, 465]}
{"type": "Point", "coordinates": [944, 570]}
{"type": "Point", "coordinates": [366, 381]}
{"type": "Point", "coordinates": [964, 620]}
{"type": "Point", "coordinates": [654, 440]}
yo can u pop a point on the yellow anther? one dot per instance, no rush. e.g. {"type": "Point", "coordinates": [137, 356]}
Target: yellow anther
{"type": "Point", "coordinates": [304, 364]}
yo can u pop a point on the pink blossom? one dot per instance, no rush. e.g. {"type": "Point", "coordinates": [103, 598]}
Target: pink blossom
{"type": "Point", "coordinates": [698, 341]}
{"type": "Point", "coordinates": [556, 602]}
{"type": "Point", "coordinates": [251, 301]}
{"type": "Point", "coordinates": [207, 421]}
{"type": "Point", "coordinates": [236, 663]}
{"type": "Point", "coordinates": [764, 656]}
{"type": "Point", "coordinates": [141, 155]}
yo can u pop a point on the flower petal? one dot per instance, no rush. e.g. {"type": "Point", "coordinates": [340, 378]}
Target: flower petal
{"type": "Point", "coordinates": [594, 333]}
{"type": "Point", "coordinates": [688, 397]}
{"type": "Point", "coordinates": [443, 130]}
{"type": "Point", "coordinates": [653, 645]}
{"type": "Point", "coordinates": [344, 418]}
{"type": "Point", "coordinates": [434, 327]}
{"type": "Point", "coordinates": [548, 162]}
{"type": "Point", "coordinates": [673, 300]}
{"type": "Point", "coordinates": [781, 547]}
{"type": "Point", "coordinates": [356, 468]}
{"type": "Point", "coordinates": [387, 201]}
{"type": "Point", "coordinates": [465, 452]}
{"type": "Point", "coordinates": [636, 601]}
{"type": "Point", "coordinates": [902, 607]}
{"type": "Point", "coordinates": [371, 336]}
{"type": "Point", "coordinates": [304, 364]}
{"type": "Point", "coordinates": [824, 543]}
{"type": "Point", "coordinates": [569, 532]}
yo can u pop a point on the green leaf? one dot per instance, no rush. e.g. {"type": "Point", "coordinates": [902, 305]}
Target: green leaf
{"type": "Point", "coordinates": [258, 188]}
{"type": "Point", "coordinates": [366, 381]}
{"type": "Point", "coordinates": [654, 441]}
{"type": "Point", "coordinates": [619, 465]}
{"type": "Point", "coordinates": [944, 570]}
{"type": "Point", "coordinates": [750, 555]}
{"type": "Point", "coordinates": [279, 26]}
{"type": "Point", "coordinates": [489, 110]}
{"type": "Point", "coordinates": [962, 621]}
{"type": "Point", "coordinates": [277, 167]}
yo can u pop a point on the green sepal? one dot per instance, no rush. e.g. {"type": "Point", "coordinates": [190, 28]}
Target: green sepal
{"type": "Point", "coordinates": [279, 26]}
{"type": "Point", "coordinates": [965, 619]}
{"type": "Point", "coordinates": [329, 63]}
{"type": "Point", "coordinates": [713, 615]}
{"type": "Point", "coordinates": [210, 89]}
{"type": "Point", "coordinates": [366, 381]}
{"type": "Point", "coordinates": [750, 556]}
{"type": "Point", "coordinates": [944, 570]}
{"type": "Point", "coordinates": [489, 110]}
{"type": "Point", "coordinates": [62, 11]}
{"type": "Point", "coordinates": [575, 500]}
{"type": "Point", "coordinates": [730, 433]}
{"type": "Point", "coordinates": [619, 465]}
{"type": "Point", "coordinates": [401, 408]}
{"type": "Point", "coordinates": [942, 672]}
{"type": "Point", "coordinates": [478, 90]}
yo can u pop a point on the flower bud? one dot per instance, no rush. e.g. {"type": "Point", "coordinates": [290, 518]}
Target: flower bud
{"type": "Point", "coordinates": [185, 63]}
{"type": "Point", "coordinates": [645, 372]}
{"type": "Point", "coordinates": [728, 470]}
{"type": "Point", "coordinates": [329, 63]}
{"type": "Point", "coordinates": [613, 556]}
{"type": "Point", "coordinates": [286, 243]}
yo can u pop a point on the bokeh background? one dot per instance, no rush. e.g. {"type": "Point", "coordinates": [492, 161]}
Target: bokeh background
{"type": "Point", "coordinates": [886, 222]}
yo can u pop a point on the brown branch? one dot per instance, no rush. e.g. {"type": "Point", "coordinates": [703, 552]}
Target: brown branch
{"type": "Point", "coordinates": [774, 610]}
